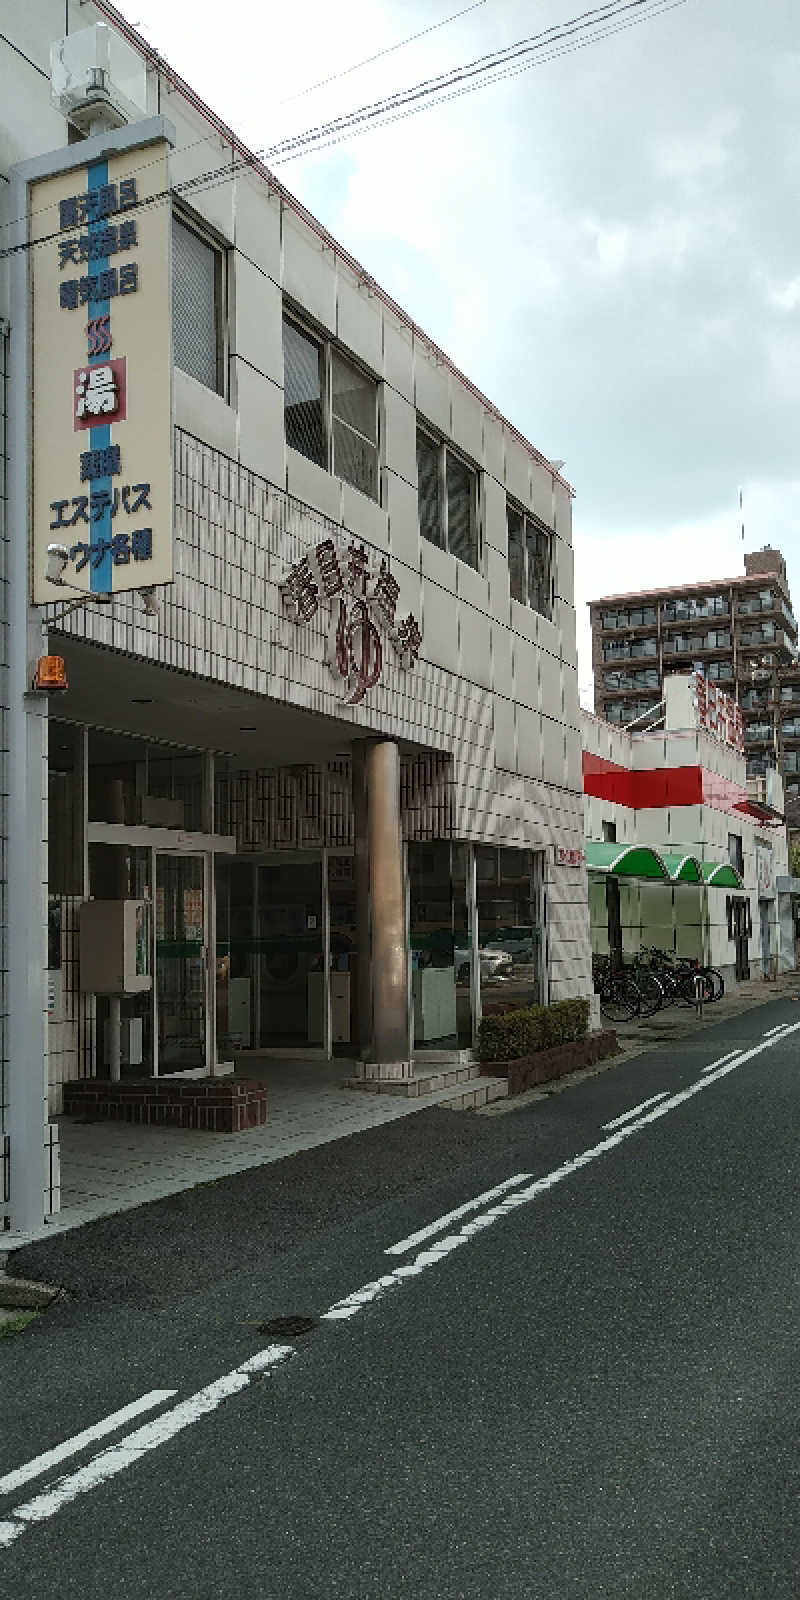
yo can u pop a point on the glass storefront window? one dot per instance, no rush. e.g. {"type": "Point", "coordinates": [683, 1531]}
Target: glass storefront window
{"type": "Point", "coordinates": [440, 944]}
{"type": "Point", "coordinates": [134, 782]}
{"type": "Point", "coordinates": [124, 872]}
{"type": "Point", "coordinates": [290, 975]}
{"type": "Point", "coordinates": [343, 955]}
{"type": "Point", "coordinates": [508, 931]}
{"type": "Point", "coordinates": [65, 810]}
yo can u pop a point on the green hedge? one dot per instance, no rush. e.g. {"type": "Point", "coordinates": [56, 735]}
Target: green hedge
{"type": "Point", "coordinates": [522, 1033]}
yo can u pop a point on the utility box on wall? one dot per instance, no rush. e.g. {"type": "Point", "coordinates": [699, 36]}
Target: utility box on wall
{"type": "Point", "coordinates": [115, 944]}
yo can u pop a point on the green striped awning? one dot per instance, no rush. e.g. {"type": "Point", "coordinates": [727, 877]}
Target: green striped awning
{"type": "Point", "coordinates": [625, 860]}
{"type": "Point", "coordinates": [664, 866]}
{"type": "Point", "coordinates": [721, 875]}
{"type": "Point", "coordinates": [682, 868]}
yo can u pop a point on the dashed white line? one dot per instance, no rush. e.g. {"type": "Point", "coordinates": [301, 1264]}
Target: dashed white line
{"type": "Point", "coordinates": [779, 1027]}
{"type": "Point", "coordinates": [452, 1216]}
{"type": "Point", "coordinates": [634, 1111]}
{"type": "Point", "coordinates": [722, 1060]}
{"type": "Point", "coordinates": [71, 1447]}
{"type": "Point", "coordinates": [130, 1449]}
{"type": "Point", "coordinates": [353, 1303]}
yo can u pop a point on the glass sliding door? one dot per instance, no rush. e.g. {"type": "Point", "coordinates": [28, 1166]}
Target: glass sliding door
{"type": "Point", "coordinates": [509, 935]}
{"type": "Point", "coordinates": [441, 945]}
{"type": "Point", "coordinates": [181, 968]}
{"type": "Point", "coordinates": [289, 953]}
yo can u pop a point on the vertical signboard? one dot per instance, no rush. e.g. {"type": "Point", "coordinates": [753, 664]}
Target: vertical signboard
{"type": "Point", "coordinates": [102, 372]}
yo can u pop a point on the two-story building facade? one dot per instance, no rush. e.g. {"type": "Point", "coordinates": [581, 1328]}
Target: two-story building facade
{"type": "Point", "coordinates": [333, 762]}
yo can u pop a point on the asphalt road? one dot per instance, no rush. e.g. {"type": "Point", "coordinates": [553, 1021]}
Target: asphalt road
{"type": "Point", "coordinates": [588, 1390]}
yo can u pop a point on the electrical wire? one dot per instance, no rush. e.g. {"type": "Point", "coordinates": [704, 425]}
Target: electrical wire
{"type": "Point", "coordinates": [279, 158]}
{"type": "Point", "coordinates": [390, 49]}
{"type": "Point", "coordinates": [591, 27]}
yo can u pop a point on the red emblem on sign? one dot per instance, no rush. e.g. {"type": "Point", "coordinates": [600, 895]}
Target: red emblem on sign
{"type": "Point", "coordinates": [100, 393]}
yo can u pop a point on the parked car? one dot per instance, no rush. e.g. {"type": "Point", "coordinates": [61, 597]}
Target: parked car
{"type": "Point", "coordinates": [495, 965]}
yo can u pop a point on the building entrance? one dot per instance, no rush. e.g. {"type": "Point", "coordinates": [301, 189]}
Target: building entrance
{"type": "Point", "coordinates": [181, 964]}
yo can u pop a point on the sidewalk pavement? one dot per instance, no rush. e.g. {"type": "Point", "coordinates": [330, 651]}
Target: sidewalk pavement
{"type": "Point", "coordinates": [109, 1167]}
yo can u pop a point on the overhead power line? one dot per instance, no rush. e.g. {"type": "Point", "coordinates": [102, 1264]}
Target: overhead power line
{"type": "Point", "coordinates": [379, 54]}
{"type": "Point", "coordinates": [587, 24]}
{"type": "Point", "coordinates": [565, 38]}
{"type": "Point", "coordinates": [291, 150]}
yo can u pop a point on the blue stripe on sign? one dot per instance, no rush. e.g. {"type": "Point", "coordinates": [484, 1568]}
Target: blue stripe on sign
{"type": "Point", "coordinates": [100, 437]}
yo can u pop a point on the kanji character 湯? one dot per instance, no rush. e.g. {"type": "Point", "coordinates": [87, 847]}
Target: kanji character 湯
{"type": "Point", "coordinates": [96, 392]}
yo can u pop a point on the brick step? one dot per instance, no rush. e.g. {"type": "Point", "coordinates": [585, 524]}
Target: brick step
{"type": "Point", "coordinates": [425, 1081]}
{"type": "Point", "coordinates": [470, 1096]}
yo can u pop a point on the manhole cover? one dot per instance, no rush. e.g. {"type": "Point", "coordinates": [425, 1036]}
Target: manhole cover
{"type": "Point", "coordinates": [287, 1327]}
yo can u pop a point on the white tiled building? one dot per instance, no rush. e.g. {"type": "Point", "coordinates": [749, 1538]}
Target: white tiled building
{"type": "Point", "coordinates": [681, 791]}
{"type": "Point", "coordinates": [204, 760]}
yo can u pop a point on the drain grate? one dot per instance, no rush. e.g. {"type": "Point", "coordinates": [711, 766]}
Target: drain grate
{"type": "Point", "coordinates": [288, 1327]}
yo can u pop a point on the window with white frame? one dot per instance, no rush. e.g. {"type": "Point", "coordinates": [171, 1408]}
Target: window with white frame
{"type": "Point", "coordinates": [330, 408]}
{"type": "Point", "coordinates": [447, 496]}
{"type": "Point", "coordinates": [529, 560]}
{"type": "Point", "coordinates": [198, 303]}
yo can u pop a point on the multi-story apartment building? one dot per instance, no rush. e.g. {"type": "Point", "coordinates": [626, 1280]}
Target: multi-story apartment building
{"type": "Point", "coordinates": [739, 631]}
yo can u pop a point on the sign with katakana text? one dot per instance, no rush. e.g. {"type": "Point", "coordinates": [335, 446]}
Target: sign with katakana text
{"type": "Point", "coordinates": [362, 596]}
{"type": "Point", "coordinates": [102, 375]}
{"type": "Point", "coordinates": [718, 713]}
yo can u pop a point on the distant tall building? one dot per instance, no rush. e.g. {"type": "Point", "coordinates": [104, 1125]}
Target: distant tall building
{"type": "Point", "coordinates": [739, 631]}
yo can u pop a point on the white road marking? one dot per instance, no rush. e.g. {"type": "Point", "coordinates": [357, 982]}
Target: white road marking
{"type": "Point", "coordinates": [731, 1056]}
{"type": "Point", "coordinates": [353, 1303]}
{"type": "Point", "coordinates": [452, 1216]}
{"type": "Point", "coordinates": [634, 1111]}
{"type": "Point", "coordinates": [779, 1027]}
{"type": "Point", "coordinates": [70, 1447]}
{"type": "Point", "coordinates": [130, 1449]}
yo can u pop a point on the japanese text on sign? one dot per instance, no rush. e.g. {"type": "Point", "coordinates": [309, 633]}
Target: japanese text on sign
{"type": "Point", "coordinates": [718, 713]}
{"type": "Point", "coordinates": [363, 598]}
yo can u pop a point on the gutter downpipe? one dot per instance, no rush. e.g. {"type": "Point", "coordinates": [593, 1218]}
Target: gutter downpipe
{"type": "Point", "coordinates": [26, 888]}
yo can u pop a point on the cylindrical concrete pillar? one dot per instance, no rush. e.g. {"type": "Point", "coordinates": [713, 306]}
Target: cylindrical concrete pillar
{"type": "Point", "coordinates": [382, 975]}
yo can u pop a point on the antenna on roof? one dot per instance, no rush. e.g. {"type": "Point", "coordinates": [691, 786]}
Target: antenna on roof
{"type": "Point", "coordinates": [741, 512]}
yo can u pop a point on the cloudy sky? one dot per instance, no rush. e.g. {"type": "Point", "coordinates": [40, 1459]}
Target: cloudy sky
{"type": "Point", "coordinates": [607, 244]}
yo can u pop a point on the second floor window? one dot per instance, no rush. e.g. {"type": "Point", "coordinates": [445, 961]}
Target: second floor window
{"type": "Point", "coordinates": [447, 496]}
{"type": "Point", "coordinates": [198, 289]}
{"type": "Point", "coordinates": [529, 561]}
{"type": "Point", "coordinates": [331, 408]}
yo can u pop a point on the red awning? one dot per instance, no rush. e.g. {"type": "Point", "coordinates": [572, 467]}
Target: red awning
{"type": "Point", "coordinates": [761, 813]}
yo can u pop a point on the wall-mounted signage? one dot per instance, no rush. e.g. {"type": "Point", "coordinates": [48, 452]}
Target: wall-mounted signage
{"type": "Point", "coordinates": [362, 596]}
{"type": "Point", "coordinates": [567, 856]}
{"type": "Point", "coordinates": [718, 713]}
{"type": "Point", "coordinates": [102, 372]}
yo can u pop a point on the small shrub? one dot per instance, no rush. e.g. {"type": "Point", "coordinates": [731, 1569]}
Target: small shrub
{"type": "Point", "coordinates": [511, 1034]}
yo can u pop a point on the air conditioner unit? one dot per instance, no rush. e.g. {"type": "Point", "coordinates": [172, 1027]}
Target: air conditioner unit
{"type": "Point", "coordinates": [97, 80]}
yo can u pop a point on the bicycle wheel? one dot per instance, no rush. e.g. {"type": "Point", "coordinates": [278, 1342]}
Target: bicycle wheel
{"type": "Point", "coordinates": [620, 1000]}
{"type": "Point", "coordinates": [651, 991]}
{"type": "Point", "coordinates": [688, 994]}
{"type": "Point", "coordinates": [717, 981]}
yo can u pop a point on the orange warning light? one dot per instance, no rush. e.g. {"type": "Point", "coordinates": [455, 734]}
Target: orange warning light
{"type": "Point", "coordinates": [51, 673]}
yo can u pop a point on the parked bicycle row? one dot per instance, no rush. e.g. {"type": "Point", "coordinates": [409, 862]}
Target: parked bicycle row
{"type": "Point", "coordinates": [641, 985]}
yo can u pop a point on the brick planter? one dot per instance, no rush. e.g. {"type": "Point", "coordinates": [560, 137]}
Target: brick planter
{"type": "Point", "coordinates": [217, 1105]}
{"type": "Point", "coordinates": [527, 1071]}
